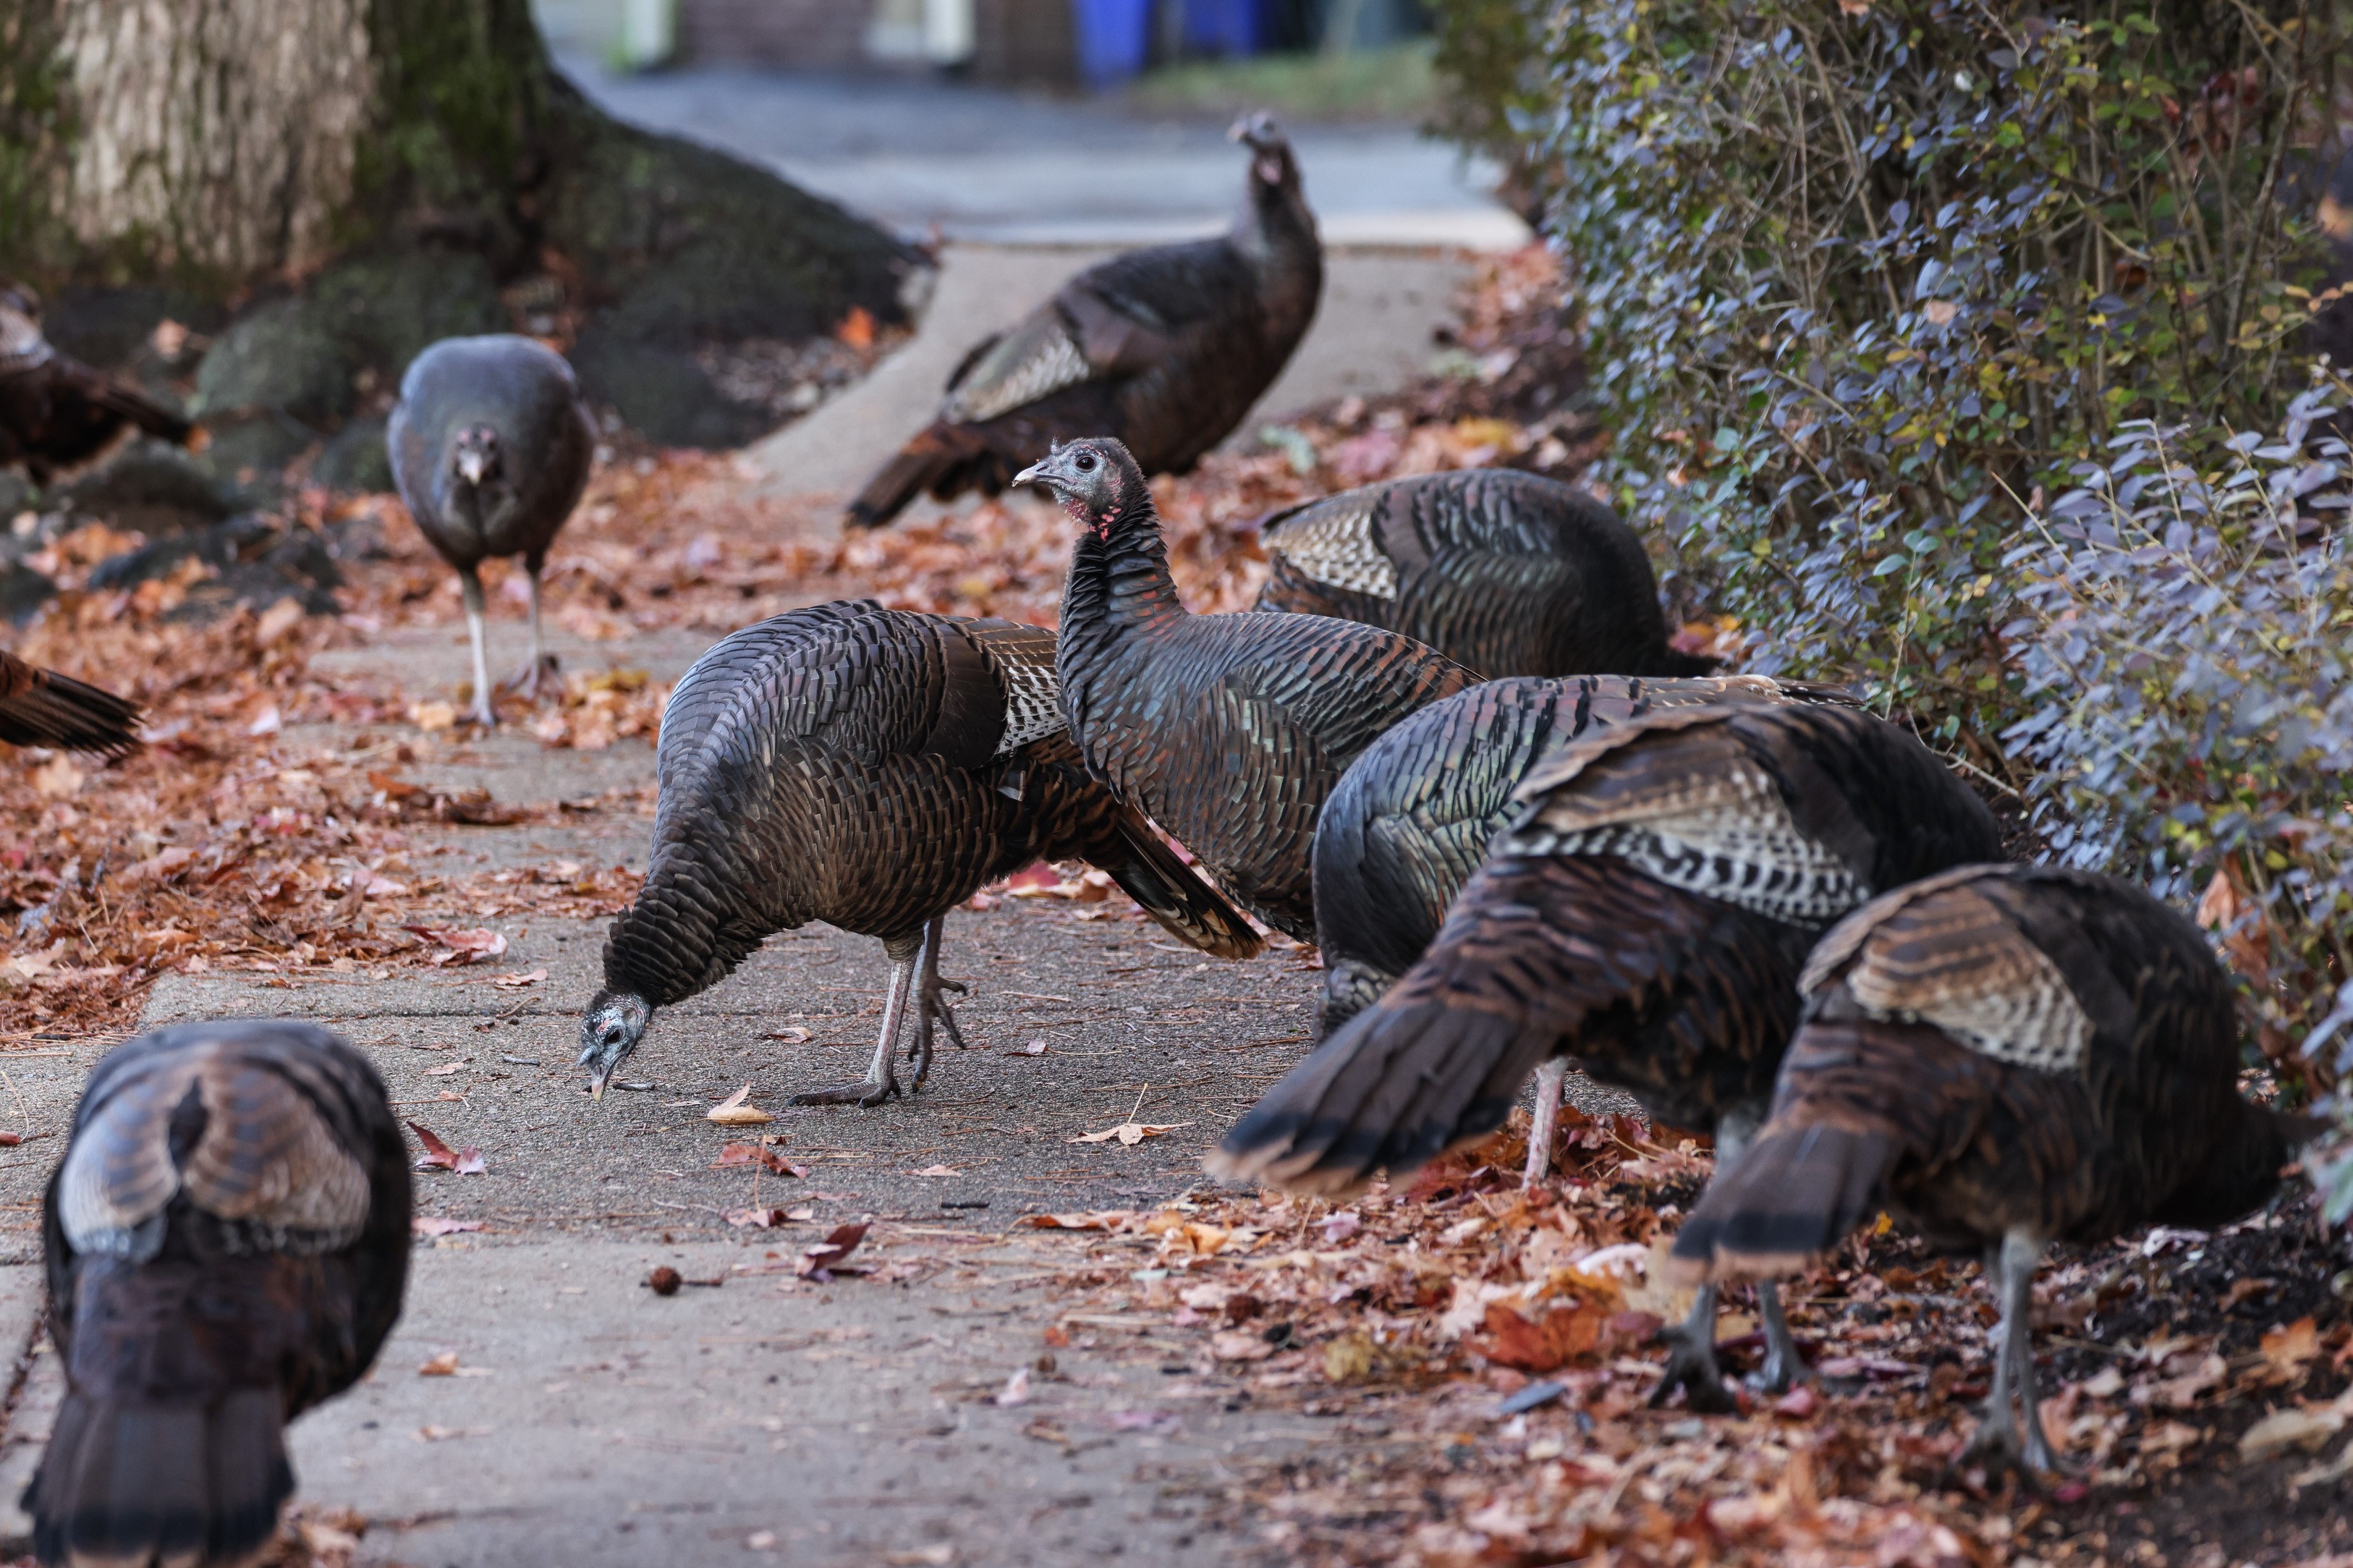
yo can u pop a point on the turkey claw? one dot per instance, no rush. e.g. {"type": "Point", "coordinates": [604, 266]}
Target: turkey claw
{"type": "Point", "coordinates": [1692, 1368]}
{"type": "Point", "coordinates": [526, 679]}
{"type": "Point", "coordinates": [864, 1094]}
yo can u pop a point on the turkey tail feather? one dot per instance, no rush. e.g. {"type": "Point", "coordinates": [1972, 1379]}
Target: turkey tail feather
{"type": "Point", "coordinates": [927, 462]}
{"type": "Point", "coordinates": [1175, 894]}
{"type": "Point", "coordinates": [1393, 1089]}
{"type": "Point", "coordinates": [145, 413]}
{"type": "Point", "coordinates": [123, 1483]}
{"type": "Point", "coordinates": [1791, 1196]}
{"type": "Point", "coordinates": [42, 708]}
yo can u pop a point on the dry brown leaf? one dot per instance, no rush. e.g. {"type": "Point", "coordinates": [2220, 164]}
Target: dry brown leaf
{"type": "Point", "coordinates": [818, 1260]}
{"type": "Point", "coordinates": [753, 1154]}
{"type": "Point", "coordinates": [438, 1225]}
{"type": "Point", "coordinates": [438, 1155]}
{"type": "Point", "coordinates": [733, 1111]}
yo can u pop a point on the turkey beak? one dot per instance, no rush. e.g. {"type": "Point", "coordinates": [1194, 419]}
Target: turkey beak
{"type": "Point", "coordinates": [1042, 472]}
{"type": "Point", "coordinates": [472, 466]}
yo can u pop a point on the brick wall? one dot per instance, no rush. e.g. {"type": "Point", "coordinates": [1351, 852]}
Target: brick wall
{"type": "Point", "coordinates": [801, 35]}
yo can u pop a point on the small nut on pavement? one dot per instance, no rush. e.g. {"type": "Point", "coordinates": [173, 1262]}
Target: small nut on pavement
{"type": "Point", "coordinates": [663, 1282]}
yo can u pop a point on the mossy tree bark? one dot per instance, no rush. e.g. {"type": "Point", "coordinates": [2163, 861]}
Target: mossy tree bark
{"type": "Point", "coordinates": [325, 160]}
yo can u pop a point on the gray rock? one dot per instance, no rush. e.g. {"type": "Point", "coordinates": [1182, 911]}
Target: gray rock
{"type": "Point", "coordinates": [246, 536]}
{"type": "Point", "coordinates": [388, 306]}
{"type": "Point", "coordinates": [149, 487]}
{"type": "Point", "coordinates": [282, 357]}
{"type": "Point", "coordinates": [16, 493]}
{"type": "Point", "coordinates": [247, 456]}
{"type": "Point", "coordinates": [22, 592]}
{"type": "Point", "coordinates": [354, 459]}
{"type": "Point", "coordinates": [661, 393]}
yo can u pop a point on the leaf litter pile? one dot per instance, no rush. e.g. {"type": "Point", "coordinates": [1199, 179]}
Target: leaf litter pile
{"type": "Point", "coordinates": [1485, 1357]}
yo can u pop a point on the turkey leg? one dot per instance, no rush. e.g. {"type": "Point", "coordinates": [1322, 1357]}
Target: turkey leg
{"type": "Point", "coordinates": [526, 679]}
{"type": "Point", "coordinates": [931, 1006]}
{"type": "Point", "coordinates": [1998, 1439]}
{"type": "Point", "coordinates": [470, 584]}
{"type": "Point", "coordinates": [879, 1084]}
{"type": "Point", "coordinates": [1783, 1366]}
{"type": "Point", "coordinates": [1691, 1360]}
{"type": "Point", "coordinates": [1550, 1080]}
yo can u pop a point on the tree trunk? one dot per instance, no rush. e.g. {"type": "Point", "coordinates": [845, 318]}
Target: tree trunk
{"type": "Point", "coordinates": [359, 176]}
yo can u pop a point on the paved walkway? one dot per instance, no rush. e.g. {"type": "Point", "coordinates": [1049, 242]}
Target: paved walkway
{"type": "Point", "coordinates": [984, 164]}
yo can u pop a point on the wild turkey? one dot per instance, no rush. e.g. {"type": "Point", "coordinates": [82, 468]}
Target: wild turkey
{"type": "Point", "coordinates": [1227, 730]}
{"type": "Point", "coordinates": [1410, 821]}
{"type": "Point", "coordinates": [1165, 348]}
{"type": "Point", "coordinates": [871, 768]}
{"type": "Point", "coordinates": [1504, 572]}
{"type": "Point", "coordinates": [226, 1242]}
{"type": "Point", "coordinates": [57, 413]}
{"type": "Point", "coordinates": [1645, 913]}
{"type": "Point", "coordinates": [2002, 1056]}
{"type": "Point", "coordinates": [490, 447]}
{"type": "Point", "coordinates": [41, 707]}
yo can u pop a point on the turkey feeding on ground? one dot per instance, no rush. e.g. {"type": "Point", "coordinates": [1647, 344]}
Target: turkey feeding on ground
{"type": "Point", "coordinates": [1165, 348]}
{"type": "Point", "coordinates": [227, 1241]}
{"type": "Point", "coordinates": [1645, 912]}
{"type": "Point", "coordinates": [57, 414]}
{"type": "Point", "coordinates": [2000, 1058]}
{"type": "Point", "coordinates": [871, 768]}
{"type": "Point", "coordinates": [1227, 730]}
{"type": "Point", "coordinates": [41, 707]}
{"type": "Point", "coordinates": [490, 447]}
{"type": "Point", "coordinates": [1410, 819]}
{"type": "Point", "coordinates": [1504, 572]}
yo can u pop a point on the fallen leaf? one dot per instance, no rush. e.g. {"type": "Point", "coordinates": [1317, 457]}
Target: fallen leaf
{"type": "Point", "coordinates": [57, 779]}
{"type": "Point", "coordinates": [444, 1070]}
{"type": "Point", "coordinates": [800, 1216]}
{"type": "Point", "coordinates": [517, 982]}
{"type": "Point", "coordinates": [732, 1112]}
{"type": "Point", "coordinates": [760, 1541]}
{"type": "Point", "coordinates": [839, 1243]}
{"type": "Point", "coordinates": [1940, 312]}
{"type": "Point", "coordinates": [1550, 1342]}
{"type": "Point", "coordinates": [1016, 1390]}
{"type": "Point", "coordinates": [461, 946]}
{"type": "Point", "coordinates": [1131, 1132]}
{"type": "Point", "coordinates": [445, 1365]}
{"type": "Point", "coordinates": [939, 1555]}
{"type": "Point", "coordinates": [440, 1156]}
{"type": "Point", "coordinates": [2288, 1347]}
{"type": "Point", "coordinates": [753, 1154]}
{"type": "Point", "coordinates": [1098, 1219]}
{"type": "Point", "coordinates": [433, 717]}
{"type": "Point", "coordinates": [444, 1434]}
{"type": "Point", "coordinates": [792, 1036]}
{"type": "Point", "coordinates": [939, 1171]}
{"type": "Point", "coordinates": [856, 329]}
{"type": "Point", "coordinates": [756, 1218]}
{"type": "Point", "coordinates": [2306, 1428]}
{"type": "Point", "coordinates": [1034, 1049]}
{"type": "Point", "coordinates": [437, 1224]}
{"type": "Point", "coordinates": [1239, 1344]}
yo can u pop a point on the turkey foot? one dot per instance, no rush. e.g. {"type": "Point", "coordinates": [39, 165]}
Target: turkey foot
{"type": "Point", "coordinates": [1691, 1362]}
{"type": "Point", "coordinates": [1999, 1443]}
{"type": "Point", "coordinates": [879, 1084]}
{"type": "Point", "coordinates": [1784, 1366]}
{"type": "Point", "coordinates": [930, 1005]}
{"type": "Point", "coordinates": [526, 679]}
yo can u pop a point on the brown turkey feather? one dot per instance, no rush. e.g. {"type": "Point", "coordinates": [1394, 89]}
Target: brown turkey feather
{"type": "Point", "coordinates": [41, 707]}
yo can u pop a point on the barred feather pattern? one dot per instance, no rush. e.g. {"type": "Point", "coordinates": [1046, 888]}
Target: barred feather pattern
{"type": "Point", "coordinates": [1684, 998]}
{"type": "Point", "coordinates": [41, 707]}
{"type": "Point", "coordinates": [1507, 573]}
{"type": "Point", "coordinates": [57, 413]}
{"type": "Point", "coordinates": [227, 1245]}
{"type": "Point", "coordinates": [1411, 818]}
{"type": "Point", "coordinates": [1878, 1106]}
{"type": "Point", "coordinates": [1227, 730]}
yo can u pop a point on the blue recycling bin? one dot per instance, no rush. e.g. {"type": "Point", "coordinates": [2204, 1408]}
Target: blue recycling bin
{"type": "Point", "coordinates": [1114, 36]}
{"type": "Point", "coordinates": [1223, 27]}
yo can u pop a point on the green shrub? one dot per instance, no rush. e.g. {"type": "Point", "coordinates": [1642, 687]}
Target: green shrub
{"type": "Point", "coordinates": [1887, 304]}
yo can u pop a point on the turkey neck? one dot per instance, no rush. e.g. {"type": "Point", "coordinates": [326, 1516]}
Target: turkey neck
{"type": "Point", "coordinates": [1118, 587]}
{"type": "Point", "coordinates": [1277, 237]}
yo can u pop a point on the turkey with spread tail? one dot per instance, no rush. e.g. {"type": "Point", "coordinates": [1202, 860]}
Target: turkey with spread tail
{"type": "Point", "coordinates": [1227, 730]}
{"type": "Point", "coordinates": [490, 445]}
{"type": "Point", "coordinates": [57, 414]}
{"type": "Point", "coordinates": [1165, 348]}
{"type": "Point", "coordinates": [2000, 1058]}
{"type": "Point", "coordinates": [1645, 913]}
{"type": "Point", "coordinates": [871, 768]}
{"type": "Point", "coordinates": [41, 707]}
{"type": "Point", "coordinates": [226, 1243]}
{"type": "Point", "coordinates": [1502, 572]}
